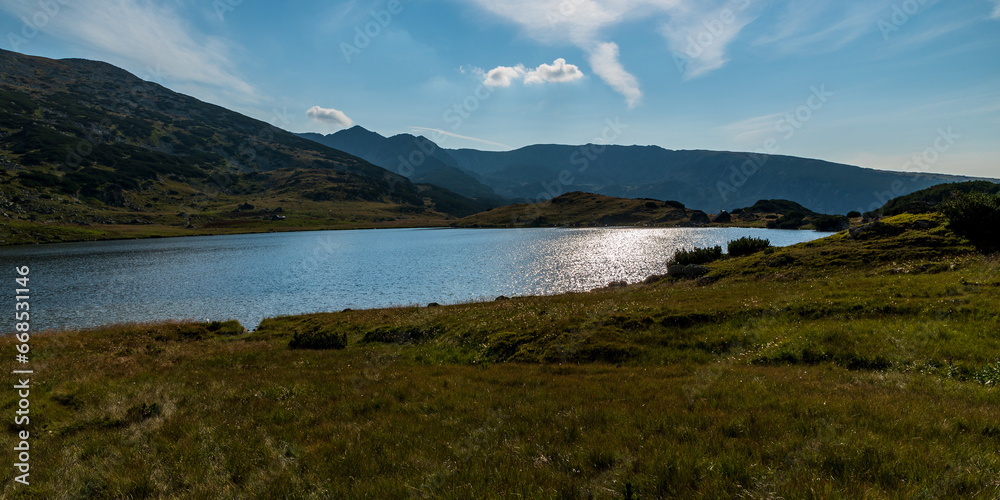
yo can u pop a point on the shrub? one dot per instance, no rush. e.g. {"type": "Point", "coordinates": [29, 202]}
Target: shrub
{"type": "Point", "coordinates": [697, 256]}
{"type": "Point", "coordinates": [747, 246]}
{"type": "Point", "coordinates": [831, 223]}
{"type": "Point", "coordinates": [231, 327]}
{"type": "Point", "coordinates": [853, 214]}
{"type": "Point", "coordinates": [977, 217]}
{"type": "Point", "coordinates": [318, 340]}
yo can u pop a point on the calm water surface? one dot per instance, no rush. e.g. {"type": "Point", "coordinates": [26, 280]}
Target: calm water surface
{"type": "Point", "coordinates": [250, 277]}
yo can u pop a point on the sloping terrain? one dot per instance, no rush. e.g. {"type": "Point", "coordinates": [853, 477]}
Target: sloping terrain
{"type": "Point", "coordinates": [86, 147]}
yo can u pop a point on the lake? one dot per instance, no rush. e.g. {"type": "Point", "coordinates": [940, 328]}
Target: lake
{"type": "Point", "coordinates": [254, 276]}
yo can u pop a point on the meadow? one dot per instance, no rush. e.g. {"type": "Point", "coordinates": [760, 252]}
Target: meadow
{"type": "Point", "coordinates": [857, 366]}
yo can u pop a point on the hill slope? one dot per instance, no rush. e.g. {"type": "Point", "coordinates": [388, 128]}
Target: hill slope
{"type": "Point", "coordinates": [417, 158]}
{"type": "Point", "coordinates": [84, 143]}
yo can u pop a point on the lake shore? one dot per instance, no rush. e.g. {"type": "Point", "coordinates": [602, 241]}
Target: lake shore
{"type": "Point", "coordinates": [837, 367]}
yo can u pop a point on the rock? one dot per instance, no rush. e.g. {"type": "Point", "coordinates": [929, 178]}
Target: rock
{"type": "Point", "coordinates": [706, 280]}
{"type": "Point", "coordinates": [244, 207]}
{"type": "Point", "coordinates": [656, 278]}
{"type": "Point", "coordinates": [190, 226]}
{"type": "Point", "coordinates": [874, 230]}
{"type": "Point", "coordinates": [675, 270]}
{"type": "Point", "coordinates": [694, 271]}
{"type": "Point", "coordinates": [723, 218]}
{"type": "Point", "coordinates": [612, 286]}
{"type": "Point", "coordinates": [433, 304]}
{"type": "Point", "coordinates": [501, 298]}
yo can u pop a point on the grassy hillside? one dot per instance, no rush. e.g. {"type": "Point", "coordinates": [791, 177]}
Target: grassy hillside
{"type": "Point", "coordinates": [89, 151]}
{"type": "Point", "coordinates": [927, 200]}
{"type": "Point", "coordinates": [861, 365]}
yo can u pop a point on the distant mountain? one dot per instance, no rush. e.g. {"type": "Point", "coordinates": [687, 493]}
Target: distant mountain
{"type": "Point", "coordinates": [415, 157]}
{"type": "Point", "coordinates": [706, 180]}
{"type": "Point", "coordinates": [85, 142]}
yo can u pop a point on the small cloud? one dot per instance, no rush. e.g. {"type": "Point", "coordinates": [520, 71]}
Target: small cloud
{"type": "Point", "coordinates": [503, 76]}
{"type": "Point", "coordinates": [330, 116]}
{"type": "Point", "coordinates": [604, 62]}
{"type": "Point", "coordinates": [557, 72]}
{"type": "Point", "coordinates": [996, 10]}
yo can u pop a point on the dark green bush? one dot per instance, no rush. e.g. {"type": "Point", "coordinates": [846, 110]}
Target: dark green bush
{"type": "Point", "coordinates": [318, 340]}
{"type": "Point", "coordinates": [853, 214]}
{"type": "Point", "coordinates": [977, 217]}
{"type": "Point", "coordinates": [747, 246]}
{"type": "Point", "coordinates": [697, 256]}
{"type": "Point", "coordinates": [831, 223]}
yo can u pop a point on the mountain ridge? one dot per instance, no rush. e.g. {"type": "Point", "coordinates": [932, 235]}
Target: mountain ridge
{"type": "Point", "coordinates": [705, 179]}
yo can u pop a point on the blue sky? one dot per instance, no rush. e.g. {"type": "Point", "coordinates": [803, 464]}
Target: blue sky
{"type": "Point", "coordinates": [898, 85]}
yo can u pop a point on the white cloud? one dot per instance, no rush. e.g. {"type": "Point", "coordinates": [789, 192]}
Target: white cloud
{"type": "Point", "coordinates": [151, 40]}
{"type": "Point", "coordinates": [700, 38]}
{"type": "Point", "coordinates": [996, 10]}
{"type": "Point", "coordinates": [751, 132]}
{"type": "Point", "coordinates": [330, 116]}
{"type": "Point", "coordinates": [604, 61]}
{"type": "Point", "coordinates": [558, 72]}
{"type": "Point", "coordinates": [825, 25]}
{"type": "Point", "coordinates": [503, 76]}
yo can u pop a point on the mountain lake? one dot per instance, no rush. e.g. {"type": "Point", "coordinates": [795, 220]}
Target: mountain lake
{"type": "Point", "coordinates": [253, 276]}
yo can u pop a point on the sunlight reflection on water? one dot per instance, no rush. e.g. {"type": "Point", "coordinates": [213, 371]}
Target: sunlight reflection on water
{"type": "Point", "coordinates": [249, 277]}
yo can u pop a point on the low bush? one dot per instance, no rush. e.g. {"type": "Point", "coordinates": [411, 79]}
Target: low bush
{"type": "Point", "coordinates": [697, 256]}
{"type": "Point", "coordinates": [318, 340]}
{"type": "Point", "coordinates": [977, 217]}
{"type": "Point", "coordinates": [831, 223]}
{"type": "Point", "coordinates": [747, 246]}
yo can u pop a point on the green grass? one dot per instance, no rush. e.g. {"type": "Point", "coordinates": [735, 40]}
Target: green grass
{"type": "Point", "coordinates": [841, 368]}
